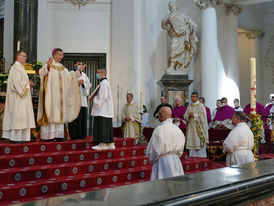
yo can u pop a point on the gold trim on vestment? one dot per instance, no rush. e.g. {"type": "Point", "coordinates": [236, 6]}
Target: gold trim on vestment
{"type": "Point", "coordinates": [187, 47]}
{"type": "Point", "coordinates": [24, 93]}
{"type": "Point", "coordinates": [136, 127]}
{"type": "Point", "coordinates": [25, 90]}
{"type": "Point", "coordinates": [44, 119]}
{"type": "Point", "coordinates": [58, 68]}
{"type": "Point", "coordinates": [61, 95]}
{"type": "Point", "coordinates": [200, 133]}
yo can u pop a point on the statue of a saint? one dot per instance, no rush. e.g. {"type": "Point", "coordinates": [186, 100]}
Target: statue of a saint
{"type": "Point", "coordinates": [182, 32]}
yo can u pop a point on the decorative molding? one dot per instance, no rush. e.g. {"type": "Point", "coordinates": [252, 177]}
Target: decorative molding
{"type": "Point", "coordinates": [235, 8]}
{"type": "Point", "coordinates": [79, 3]}
{"type": "Point", "coordinates": [204, 4]}
{"type": "Point", "coordinates": [269, 55]}
{"type": "Point", "coordinates": [252, 34]}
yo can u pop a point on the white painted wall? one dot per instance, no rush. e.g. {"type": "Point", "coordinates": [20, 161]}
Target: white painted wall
{"type": "Point", "coordinates": [139, 51]}
{"type": "Point", "coordinates": [267, 72]}
{"type": "Point", "coordinates": [85, 30]}
{"type": "Point", "coordinates": [228, 73]}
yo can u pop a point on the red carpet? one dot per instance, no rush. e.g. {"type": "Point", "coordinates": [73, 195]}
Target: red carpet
{"type": "Point", "coordinates": [38, 170]}
{"type": "Point", "coordinates": [266, 156]}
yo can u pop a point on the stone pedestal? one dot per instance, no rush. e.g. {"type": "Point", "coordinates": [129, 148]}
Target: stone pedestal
{"type": "Point", "coordinates": [174, 86]}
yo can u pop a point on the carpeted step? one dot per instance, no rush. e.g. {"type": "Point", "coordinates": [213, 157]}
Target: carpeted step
{"type": "Point", "coordinates": [7, 148]}
{"type": "Point", "coordinates": [196, 163]}
{"type": "Point", "coordinates": [71, 183]}
{"type": "Point", "coordinates": [17, 161]}
{"type": "Point", "coordinates": [77, 193]}
{"type": "Point", "coordinates": [25, 174]}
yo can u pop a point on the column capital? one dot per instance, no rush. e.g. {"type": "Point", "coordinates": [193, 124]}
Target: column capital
{"type": "Point", "coordinates": [235, 8]}
{"type": "Point", "coordinates": [254, 34]}
{"type": "Point", "coordinates": [204, 4]}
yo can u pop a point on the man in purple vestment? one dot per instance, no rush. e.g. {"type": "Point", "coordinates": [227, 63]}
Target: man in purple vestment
{"type": "Point", "coordinates": [178, 114]}
{"type": "Point", "coordinates": [223, 118]}
{"type": "Point", "coordinates": [259, 109]}
{"type": "Point", "coordinates": [208, 113]}
{"type": "Point", "coordinates": [268, 111]}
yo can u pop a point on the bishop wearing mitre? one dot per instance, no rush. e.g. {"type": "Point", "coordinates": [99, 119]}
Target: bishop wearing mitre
{"type": "Point", "coordinates": [59, 98]}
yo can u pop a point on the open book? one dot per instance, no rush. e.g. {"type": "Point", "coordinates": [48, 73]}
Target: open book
{"type": "Point", "coordinates": [94, 93]}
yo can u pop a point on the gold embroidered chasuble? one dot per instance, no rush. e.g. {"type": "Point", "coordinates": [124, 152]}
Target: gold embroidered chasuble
{"type": "Point", "coordinates": [131, 128]}
{"type": "Point", "coordinates": [197, 128]}
{"type": "Point", "coordinates": [59, 98]}
{"type": "Point", "coordinates": [18, 113]}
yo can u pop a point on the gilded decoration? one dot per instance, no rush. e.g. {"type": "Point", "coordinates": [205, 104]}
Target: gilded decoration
{"type": "Point", "coordinates": [204, 4]}
{"type": "Point", "coordinates": [235, 8]}
{"type": "Point", "coordinates": [182, 33]}
{"type": "Point", "coordinates": [252, 34]}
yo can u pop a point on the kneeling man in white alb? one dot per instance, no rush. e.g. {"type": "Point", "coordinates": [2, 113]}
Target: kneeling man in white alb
{"type": "Point", "coordinates": [165, 147]}
{"type": "Point", "coordinates": [239, 142]}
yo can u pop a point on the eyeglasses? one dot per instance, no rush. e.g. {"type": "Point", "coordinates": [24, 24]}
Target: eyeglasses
{"type": "Point", "coordinates": [23, 55]}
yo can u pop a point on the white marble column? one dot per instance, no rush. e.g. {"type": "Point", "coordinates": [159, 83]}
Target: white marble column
{"type": "Point", "coordinates": [230, 86]}
{"type": "Point", "coordinates": [209, 51]}
{"type": "Point", "coordinates": [255, 51]}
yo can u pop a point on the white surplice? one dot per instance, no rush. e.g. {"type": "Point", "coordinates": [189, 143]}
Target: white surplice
{"type": "Point", "coordinates": [102, 102]}
{"type": "Point", "coordinates": [84, 89]}
{"type": "Point", "coordinates": [18, 115]}
{"type": "Point", "coordinates": [238, 145]}
{"type": "Point", "coordinates": [164, 150]}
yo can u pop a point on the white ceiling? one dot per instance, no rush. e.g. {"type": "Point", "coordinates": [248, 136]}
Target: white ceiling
{"type": "Point", "coordinates": [267, 7]}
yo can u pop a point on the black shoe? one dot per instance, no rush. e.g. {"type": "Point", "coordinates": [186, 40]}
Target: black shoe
{"type": "Point", "coordinates": [15, 142]}
{"type": "Point", "coordinates": [60, 139]}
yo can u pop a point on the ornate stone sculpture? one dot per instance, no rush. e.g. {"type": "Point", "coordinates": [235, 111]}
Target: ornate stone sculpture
{"type": "Point", "coordinates": [203, 4]}
{"type": "Point", "coordinates": [235, 8]}
{"type": "Point", "coordinates": [182, 32]}
{"type": "Point", "coordinates": [269, 56]}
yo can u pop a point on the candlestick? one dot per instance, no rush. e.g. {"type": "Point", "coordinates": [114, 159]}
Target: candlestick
{"type": "Point", "coordinates": [252, 85]}
{"type": "Point", "coordinates": [18, 45]}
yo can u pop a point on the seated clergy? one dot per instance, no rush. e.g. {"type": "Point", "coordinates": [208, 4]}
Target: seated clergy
{"type": "Point", "coordinates": [259, 109]}
{"type": "Point", "coordinates": [268, 111]}
{"type": "Point", "coordinates": [271, 97]}
{"type": "Point", "coordinates": [237, 107]}
{"type": "Point", "coordinates": [208, 114]}
{"type": "Point", "coordinates": [178, 114]}
{"type": "Point", "coordinates": [239, 142]}
{"type": "Point", "coordinates": [165, 148]}
{"type": "Point", "coordinates": [218, 105]}
{"type": "Point", "coordinates": [223, 118]}
{"type": "Point", "coordinates": [145, 117]}
{"type": "Point", "coordinates": [131, 118]}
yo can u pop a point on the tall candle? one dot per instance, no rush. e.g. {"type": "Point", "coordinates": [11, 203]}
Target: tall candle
{"type": "Point", "coordinates": [18, 45]}
{"type": "Point", "coordinates": [252, 85]}
{"type": "Point", "coordinates": [141, 100]}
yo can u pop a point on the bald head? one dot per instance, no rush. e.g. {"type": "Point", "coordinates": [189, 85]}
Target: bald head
{"type": "Point", "coordinates": [164, 114]}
